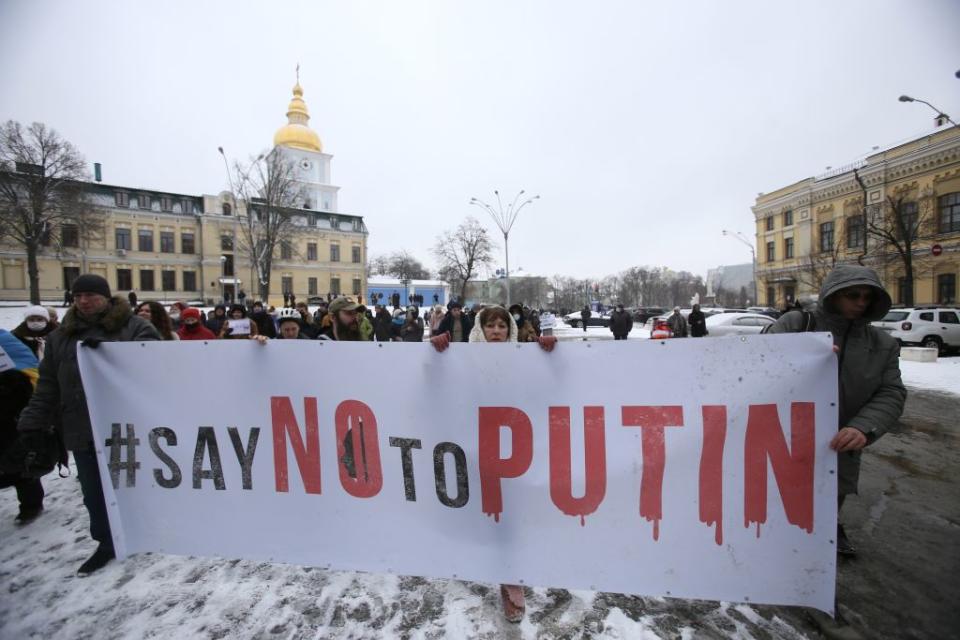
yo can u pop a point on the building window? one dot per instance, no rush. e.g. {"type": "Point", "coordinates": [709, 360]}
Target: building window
{"type": "Point", "coordinates": [356, 287]}
{"type": "Point", "coordinates": [771, 251]}
{"type": "Point", "coordinates": [334, 222]}
{"type": "Point", "coordinates": [45, 236]}
{"type": "Point", "coordinates": [286, 251]}
{"type": "Point", "coordinates": [788, 218]}
{"type": "Point", "coordinates": [143, 201]}
{"type": "Point", "coordinates": [947, 288]}
{"type": "Point", "coordinates": [124, 279]}
{"type": "Point", "coordinates": [355, 255]}
{"type": "Point", "coordinates": [771, 297]}
{"type": "Point", "coordinates": [826, 237]}
{"type": "Point", "coordinates": [788, 294]}
{"type": "Point", "coordinates": [186, 243]}
{"type": "Point", "coordinates": [168, 280]}
{"type": "Point", "coordinates": [311, 220]}
{"type": "Point", "coordinates": [855, 232]}
{"type": "Point", "coordinates": [167, 242]}
{"type": "Point", "coordinates": [357, 225]}
{"type": "Point", "coordinates": [69, 275]}
{"type": "Point", "coordinates": [226, 243]}
{"type": "Point", "coordinates": [186, 206]}
{"type": "Point", "coordinates": [146, 280]}
{"type": "Point", "coordinates": [311, 286]}
{"type": "Point", "coordinates": [166, 203]}
{"type": "Point", "coordinates": [334, 253]}
{"type": "Point", "coordinates": [770, 223]}
{"type": "Point", "coordinates": [311, 251]}
{"type": "Point", "coordinates": [123, 239]}
{"type": "Point", "coordinates": [189, 280]}
{"type": "Point", "coordinates": [70, 235]}
{"type": "Point", "coordinates": [787, 248]}
{"type": "Point", "coordinates": [335, 286]}
{"type": "Point", "coordinates": [949, 220]}
{"type": "Point", "coordinates": [145, 240]}
{"type": "Point", "coordinates": [286, 285]}
{"type": "Point", "coordinates": [901, 290]}
{"type": "Point", "coordinates": [909, 221]}
{"type": "Point", "coordinates": [122, 199]}
{"type": "Point", "coordinates": [226, 209]}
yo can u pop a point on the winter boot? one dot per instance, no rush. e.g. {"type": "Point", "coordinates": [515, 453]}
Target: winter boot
{"type": "Point", "coordinates": [28, 514]}
{"type": "Point", "coordinates": [844, 546]}
{"type": "Point", "coordinates": [514, 604]}
{"type": "Point", "coordinates": [100, 557]}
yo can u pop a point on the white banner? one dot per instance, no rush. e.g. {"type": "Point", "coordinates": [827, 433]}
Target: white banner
{"type": "Point", "coordinates": [684, 468]}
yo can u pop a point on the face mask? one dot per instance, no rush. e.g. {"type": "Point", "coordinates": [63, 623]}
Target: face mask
{"type": "Point", "coordinates": [174, 316]}
{"type": "Point", "coordinates": [516, 317]}
{"type": "Point", "coordinates": [37, 325]}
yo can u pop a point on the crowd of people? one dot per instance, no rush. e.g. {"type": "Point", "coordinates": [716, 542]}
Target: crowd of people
{"type": "Point", "coordinates": [44, 410]}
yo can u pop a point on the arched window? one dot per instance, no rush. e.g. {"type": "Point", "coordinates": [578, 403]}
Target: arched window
{"type": "Point", "coordinates": [227, 209]}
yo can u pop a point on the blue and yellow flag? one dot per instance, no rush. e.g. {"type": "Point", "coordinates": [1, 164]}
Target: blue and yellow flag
{"type": "Point", "coordinates": [16, 355]}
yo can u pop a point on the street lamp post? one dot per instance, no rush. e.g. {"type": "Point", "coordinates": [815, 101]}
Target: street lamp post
{"type": "Point", "coordinates": [223, 277]}
{"type": "Point", "coordinates": [736, 235]}
{"type": "Point", "coordinates": [504, 219]}
{"type": "Point", "coordinates": [940, 114]}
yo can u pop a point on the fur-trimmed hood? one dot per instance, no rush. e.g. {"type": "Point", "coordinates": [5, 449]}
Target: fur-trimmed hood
{"type": "Point", "coordinates": [476, 334]}
{"type": "Point", "coordinates": [113, 319]}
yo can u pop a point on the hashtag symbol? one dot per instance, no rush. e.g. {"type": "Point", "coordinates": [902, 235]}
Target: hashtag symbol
{"type": "Point", "coordinates": [117, 444]}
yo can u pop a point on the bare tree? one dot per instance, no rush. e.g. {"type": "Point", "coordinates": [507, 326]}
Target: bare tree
{"type": "Point", "coordinates": [815, 267]}
{"type": "Point", "coordinates": [462, 252]}
{"type": "Point", "coordinates": [269, 193]}
{"type": "Point", "coordinates": [896, 225]}
{"type": "Point", "coordinates": [41, 190]}
{"type": "Point", "coordinates": [404, 266]}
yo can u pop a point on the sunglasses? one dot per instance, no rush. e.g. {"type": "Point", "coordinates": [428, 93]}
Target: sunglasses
{"type": "Point", "coordinates": [854, 294]}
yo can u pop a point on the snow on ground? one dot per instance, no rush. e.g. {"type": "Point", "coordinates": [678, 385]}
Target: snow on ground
{"type": "Point", "coordinates": [942, 375]}
{"type": "Point", "coordinates": [160, 596]}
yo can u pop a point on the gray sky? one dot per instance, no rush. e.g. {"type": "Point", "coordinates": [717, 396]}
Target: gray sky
{"type": "Point", "coordinates": [646, 128]}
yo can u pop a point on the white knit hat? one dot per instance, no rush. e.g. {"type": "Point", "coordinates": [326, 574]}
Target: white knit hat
{"type": "Point", "coordinates": [36, 310]}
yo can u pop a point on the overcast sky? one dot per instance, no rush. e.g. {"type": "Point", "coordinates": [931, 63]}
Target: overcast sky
{"type": "Point", "coordinates": [646, 128]}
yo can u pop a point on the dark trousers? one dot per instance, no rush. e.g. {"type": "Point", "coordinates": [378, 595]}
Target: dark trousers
{"type": "Point", "coordinates": [619, 336]}
{"type": "Point", "coordinates": [89, 477]}
{"type": "Point", "coordinates": [29, 490]}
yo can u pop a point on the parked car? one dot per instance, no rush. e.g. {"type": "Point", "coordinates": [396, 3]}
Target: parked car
{"type": "Point", "coordinates": [932, 327]}
{"type": "Point", "coordinates": [597, 319]}
{"type": "Point", "coordinates": [766, 311]}
{"type": "Point", "coordinates": [642, 314]}
{"type": "Point", "coordinates": [737, 324]}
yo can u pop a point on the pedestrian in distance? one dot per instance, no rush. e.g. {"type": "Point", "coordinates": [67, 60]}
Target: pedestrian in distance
{"type": "Point", "coordinates": [132, 299]}
{"type": "Point", "coordinates": [263, 320]}
{"type": "Point", "coordinates": [154, 313]}
{"type": "Point", "coordinates": [525, 330]}
{"type": "Point", "coordinates": [621, 323]}
{"type": "Point", "coordinates": [585, 316]}
{"type": "Point", "coordinates": [677, 324]}
{"type": "Point", "coordinates": [95, 317]}
{"type": "Point", "coordinates": [215, 322]}
{"type": "Point", "coordinates": [67, 298]}
{"type": "Point", "coordinates": [697, 321]}
{"type": "Point", "coordinates": [496, 325]}
{"type": "Point", "coordinates": [382, 324]}
{"type": "Point", "coordinates": [192, 327]}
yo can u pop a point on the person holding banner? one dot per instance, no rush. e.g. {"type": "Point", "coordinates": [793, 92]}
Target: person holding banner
{"type": "Point", "coordinates": [238, 326]}
{"type": "Point", "coordinates": [155, 314]}
{"type": "Point", "coordinates": [95, 317]}
{"type": "Point", "coordinates": [495, 324]}
{"type": "Point", "coordinates": [871, 395]}
{"type": "Point", "coordinates": [191, 327]}
{"type": "Point", "coordinates": [341, 321]}
{"type": "Point", "coordinates": [456, 323]}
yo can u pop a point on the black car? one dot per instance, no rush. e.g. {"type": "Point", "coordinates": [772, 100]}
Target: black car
{"type": "Point", "coordinates": [642, 314]}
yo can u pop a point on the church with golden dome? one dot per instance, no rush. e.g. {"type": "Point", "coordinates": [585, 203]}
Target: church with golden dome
{"type": "Point", "coordinates": [172, 246]}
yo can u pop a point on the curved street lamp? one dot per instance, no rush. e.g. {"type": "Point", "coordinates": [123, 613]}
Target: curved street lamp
{"type": "Point", "coordinates": [504, 219]}
{"type": "Point", "coordinates": [940, 114]}
{"type": "Point", "coordinates": [736, 235]}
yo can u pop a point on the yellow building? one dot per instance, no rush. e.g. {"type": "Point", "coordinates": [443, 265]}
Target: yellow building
{"type": "Point", "coordinates": [171, 246]}
{"type": "Point", "coordinates": [806, 228]}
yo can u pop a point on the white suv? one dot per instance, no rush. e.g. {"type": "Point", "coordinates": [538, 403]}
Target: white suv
{"type": "Point", "coordinates": [933, 327]}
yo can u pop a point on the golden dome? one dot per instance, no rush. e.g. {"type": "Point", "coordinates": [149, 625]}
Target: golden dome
{"type": "Point", "coordinates": [297, 132]}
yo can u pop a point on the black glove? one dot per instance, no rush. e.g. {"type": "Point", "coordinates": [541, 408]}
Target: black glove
{"type": "Point", "coordinates": [93, 343]}
{"type": "Point", "coordinates": [33, 455]}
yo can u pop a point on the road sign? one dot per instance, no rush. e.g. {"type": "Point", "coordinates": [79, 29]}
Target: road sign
{"type": "Point", "coordinates": [936, 249]}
